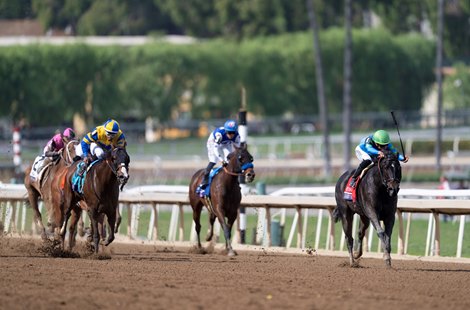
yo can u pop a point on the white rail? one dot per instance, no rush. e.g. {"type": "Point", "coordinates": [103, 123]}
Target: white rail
{"type": "Point", "coordinates": [13, 197]}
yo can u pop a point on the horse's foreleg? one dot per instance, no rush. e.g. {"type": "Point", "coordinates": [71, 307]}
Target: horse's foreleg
{"type": "Point", "coordinates": [361, 234]}
{"type": "Point", "coordinates": [111, 222]}
{"type": "Point", "coordinates": [76, 216]}
{"type": "Point", "coordinates": [387, 240]}
{"type": "Point", "coordinates": [228, 236]}
{"type": "Point", "coordinates": [211, 228]}
{"type": "Point", "coordinates": [118, 220]}
{"type": "Point", "coordinates": [81, 225]}
{"type": "Point", "coordinates": [94, 224]}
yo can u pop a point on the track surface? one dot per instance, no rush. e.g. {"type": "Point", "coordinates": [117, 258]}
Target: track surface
{"type": "Point", "coordinates": [130, 276]}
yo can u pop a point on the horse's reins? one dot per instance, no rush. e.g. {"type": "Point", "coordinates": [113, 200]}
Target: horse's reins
{"type": "Point", "coordinates": [244, 167]}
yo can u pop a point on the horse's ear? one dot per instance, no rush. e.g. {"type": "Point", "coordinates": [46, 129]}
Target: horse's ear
{"type": "Point", "coordinates": [243, 145]}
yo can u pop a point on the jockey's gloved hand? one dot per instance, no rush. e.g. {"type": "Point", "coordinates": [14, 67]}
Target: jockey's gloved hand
{"type": "Point", "coordinates": [224, 163]}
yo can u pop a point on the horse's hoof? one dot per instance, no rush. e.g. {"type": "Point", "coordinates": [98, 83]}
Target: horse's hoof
{"type": "Point", "coordinates": [232, 253]}
{"type": "Point", "coordinates": [357, 255]}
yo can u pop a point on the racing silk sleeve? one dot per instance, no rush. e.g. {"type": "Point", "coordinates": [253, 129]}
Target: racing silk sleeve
{"type": "Point", "coordinates": [87, 140]}
{"type": "Point", "coordinates": [366, 146]}
{"type": "Point", "coordinates": [49, 147]}
{"type": "Point", "coordinates": [218, 138]}
{"type": "Point", "coordinates": [394, 151]}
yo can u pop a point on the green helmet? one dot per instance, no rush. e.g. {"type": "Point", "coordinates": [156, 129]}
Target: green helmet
{"type": "Point", "coordinates": [381, 137]}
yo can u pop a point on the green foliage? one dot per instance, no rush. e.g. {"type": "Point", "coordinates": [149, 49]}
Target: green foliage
{"type": "Point", "coordinates": [15, 9]}
{"type": "Point", "coordinates": [278, 73]}
{"type": "Point", "coordinates": [457, 88]}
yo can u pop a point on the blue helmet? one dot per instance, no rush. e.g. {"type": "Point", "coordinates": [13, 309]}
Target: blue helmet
{"type": "Point", "coordinates": [111, 126]}
{"type": "Point", "coordinates": [231, 126]}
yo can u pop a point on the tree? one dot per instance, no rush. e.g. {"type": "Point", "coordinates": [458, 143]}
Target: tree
{"type": "Point", "coordinates": [323, 107]}
{"type": "Point", "coordinates": [347, 111]}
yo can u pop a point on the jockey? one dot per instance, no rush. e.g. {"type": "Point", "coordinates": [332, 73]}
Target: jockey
{"type": "Point", "coordinates": [102, 138]}
{"type": "Point", "coordinates": [52, 149]}
{"type": "Point", "coordinates": [219, 145]}
{"type": "Point", "coordinates": [58, 142]}
{"type": "Point", "coordinates": [372, 147]}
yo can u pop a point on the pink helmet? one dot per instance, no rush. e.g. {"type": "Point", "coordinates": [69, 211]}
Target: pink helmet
{"type": "Point", "coordinates": [69, 133]}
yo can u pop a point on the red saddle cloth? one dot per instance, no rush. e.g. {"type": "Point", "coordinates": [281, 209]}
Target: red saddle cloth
{"type": "Point", "coordinates": [349, 191]}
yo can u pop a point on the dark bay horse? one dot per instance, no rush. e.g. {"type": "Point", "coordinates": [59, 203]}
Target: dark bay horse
{"type": "Point", "coordinates": [99, 197]}
{"type": "Point", "coordinates": [48, 188]}
{"type": "Point", "coordinates": [376, 201]}
{"type": "Point", "coordinates": [225, 195]}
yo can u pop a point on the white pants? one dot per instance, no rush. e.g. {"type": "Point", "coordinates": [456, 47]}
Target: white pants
{"type": "Point", "coordinates": [218, 153]}
{"type": "Point", "coordinates": [361, 155]}
{"type": "Point", "coordinates": [95, 149]}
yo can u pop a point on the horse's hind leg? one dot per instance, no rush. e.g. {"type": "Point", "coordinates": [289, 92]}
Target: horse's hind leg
{"type": "Point", "coordinates": [347, 222]}
{"type": "Point", "coordinates": [76, 216]}
{"type": "Point", "coordinates": [33, 197]}
{"type": "Point", "coordinates": [364, 224]}
{"type": "Point", "coordinates": [197, 223]}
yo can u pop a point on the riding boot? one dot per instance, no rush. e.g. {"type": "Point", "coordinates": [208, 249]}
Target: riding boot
{"type": "Point", "coordinates": [207, 171]}
{"type": "Point", "coordinates": [358, 171]}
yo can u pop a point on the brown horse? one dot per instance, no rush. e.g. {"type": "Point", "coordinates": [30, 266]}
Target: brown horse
{"type": "Point", "coordinates": [48, 188]}
{"type": "Point", "coordinates": [99, 196]}
{"type": "Point", "coordinates": [225, 196]}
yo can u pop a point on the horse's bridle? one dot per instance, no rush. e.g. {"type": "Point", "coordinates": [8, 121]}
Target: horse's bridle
{"type": "Point", "coordinates": [386, 181]}
{"type": "Point", "coordinates": [69, 162]}
{"type": "Point", "coordinates": [115, 168]}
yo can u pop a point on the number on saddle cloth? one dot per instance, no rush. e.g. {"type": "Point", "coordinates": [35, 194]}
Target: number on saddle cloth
{"type": "Point", "coordinates": [36, 168]}
{"type": "Point", "coordinates": [349, 193]}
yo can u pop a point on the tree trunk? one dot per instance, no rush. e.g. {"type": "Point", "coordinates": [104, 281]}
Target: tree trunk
{"type": "Point", "coordinates": [323, 108]}
{"type": "Point", "coordinates": [347, 105]}
{"type": "Point", "coordinates": [440, 17]}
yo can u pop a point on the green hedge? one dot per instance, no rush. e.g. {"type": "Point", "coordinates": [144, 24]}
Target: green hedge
{"type": "Point", "coordinates": [278, 73]}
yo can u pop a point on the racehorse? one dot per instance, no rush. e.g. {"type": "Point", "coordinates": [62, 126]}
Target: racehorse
{"type": "Point", "coordinates": [99, 195]}
{"type": "Point", "coordinates": [48, 188]}
{"type": "Point", "coordinates": [225, 196]}
{"type": "Point", "coordinates": [376, 201]}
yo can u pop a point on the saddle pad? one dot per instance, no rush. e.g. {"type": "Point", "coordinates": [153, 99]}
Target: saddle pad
{"type": "Point", "coordinates": [207, 191]}
{"type": "Point", "coordinates": [78, 180]}
{"type": "Point", "coordinates": [350, 192]}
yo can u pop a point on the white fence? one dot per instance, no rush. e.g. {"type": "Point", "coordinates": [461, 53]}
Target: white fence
{"type": "Point", "coordinates": [300, 200]}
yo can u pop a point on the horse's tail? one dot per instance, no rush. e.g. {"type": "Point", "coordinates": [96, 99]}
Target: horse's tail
{"type": "Point", "coordinates": [336, 214]}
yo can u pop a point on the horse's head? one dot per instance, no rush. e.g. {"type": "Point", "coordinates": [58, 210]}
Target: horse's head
{"type": "Point", "coordinates": [120, 160]}
{"type": "Point", "coordinates": [241, 162]}
{"type": "Point", "coordinates": [390, 173]}
{"type": "Point", "coordinates": [68, 152]}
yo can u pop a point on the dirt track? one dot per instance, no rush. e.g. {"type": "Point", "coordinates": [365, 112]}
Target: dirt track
{"type": "Point", "coordinates": [157, 277]}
